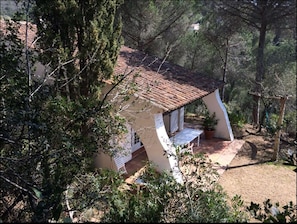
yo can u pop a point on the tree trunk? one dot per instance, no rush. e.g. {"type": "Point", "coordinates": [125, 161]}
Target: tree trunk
{"type": "Point", "coordinates": [259, 72]}
{"type": "Point", "coordinates": [225, 69]}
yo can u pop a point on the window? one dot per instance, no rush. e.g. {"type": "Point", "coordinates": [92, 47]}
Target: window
{"type": "Point", "coordinates": [136, 138]}
{"type": "Point", "coordinates": [174, 121]}
{"type": "Point", "coordinates": [135, 141]}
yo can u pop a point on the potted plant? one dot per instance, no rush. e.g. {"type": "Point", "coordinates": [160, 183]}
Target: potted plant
{"type": "Point", "coordinates": [209, 123]}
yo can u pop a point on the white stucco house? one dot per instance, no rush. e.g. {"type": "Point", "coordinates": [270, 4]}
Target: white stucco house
{"type": "Point", "coordinates": [158, 92]}
{"type": "Point", "coordinates": [155, 109]}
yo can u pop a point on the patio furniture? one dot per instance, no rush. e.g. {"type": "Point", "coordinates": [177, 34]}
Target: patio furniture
{"type": "Point", "coordinates": [120, 165]}
{"type": "Point", "coordinates": [184, 138]}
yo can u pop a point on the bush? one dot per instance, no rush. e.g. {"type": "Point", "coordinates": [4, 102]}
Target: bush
{"type": "Point", "coordinates": [272, 213]}
{"type": "Point", "coordinates": [290, 123]}
{"type": "Point", "coordinates": [162, 199]}
{"type": "Point", "coordinates": [235, 114]}
{"type": "Point", "coordinates": [236, 119]}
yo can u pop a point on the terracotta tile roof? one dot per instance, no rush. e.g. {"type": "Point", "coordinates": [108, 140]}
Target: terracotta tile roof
{"type": "Point", "coordinates": [167, 85]}
{"type": "Point", "coordinates": [22, 31]}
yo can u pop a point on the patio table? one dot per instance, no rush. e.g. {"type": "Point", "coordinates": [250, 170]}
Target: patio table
{"type": "Point", "coordinates": [186, 136]}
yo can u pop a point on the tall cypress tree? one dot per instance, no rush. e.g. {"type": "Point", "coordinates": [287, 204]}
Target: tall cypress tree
{"type": "Point", "coordinates": [53, 138]}
{"type": "Point", "coordinates": [86, 32]}
{"type": "Point", "coordinates": [81, 39]}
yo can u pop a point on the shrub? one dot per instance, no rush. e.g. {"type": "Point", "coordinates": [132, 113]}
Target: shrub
{"type": "Point", "coordinates": [272, 213]}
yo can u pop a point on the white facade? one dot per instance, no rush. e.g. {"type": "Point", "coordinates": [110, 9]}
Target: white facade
{"type": "Point", "coordinates": [154, 129]}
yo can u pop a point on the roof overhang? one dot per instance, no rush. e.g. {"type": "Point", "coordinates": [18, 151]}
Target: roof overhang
{"type": "Point", "coordinates": [168, 86]}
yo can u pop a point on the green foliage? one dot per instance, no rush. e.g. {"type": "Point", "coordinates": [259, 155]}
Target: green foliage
{"type": "Point", "coordinates": [236, 116]}
{"type": "Point", "coordinates": [278, 53]}
{"type": "Point", "coordinates": [210, 121]}
{"type": "Point", "coordinates": [290, 122]}
{"type": "Point", "coordinates": [200, 198]}
{"type": "Point", "coordinates": [85, 31]}
{"type": "Point", "coordinates": [271, 213]}
{"type": "Point", "coordinates": [220, 38]}
{"type": "Point", "coordinates": [160, 198]}
{"type": "Point", "coordinates": [280, 60]}
{"type": "Point", "coordinates": [144, 204]}
{"type": "Point", "coordinates": [157, 27]}
{"type": "Point", "coordinates": [271, 124]}
{"type": "Point", "coordinates": [197, 107]}
{"type": "Point", "coordinates": [236, 119]}
{"type": "Point", "coordinates": [47, 139]}
{"type": "Point", "coordinates": [91, 191]}
{"type": "Point", "coordinates": [50, 131]}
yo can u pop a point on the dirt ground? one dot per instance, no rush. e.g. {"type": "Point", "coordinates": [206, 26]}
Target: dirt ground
{"type": "Point", "coordinates": [252, 175]}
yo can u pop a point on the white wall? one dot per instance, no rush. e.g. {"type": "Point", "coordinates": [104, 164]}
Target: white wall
{"type": "Point", "coordinates": [214, 103]}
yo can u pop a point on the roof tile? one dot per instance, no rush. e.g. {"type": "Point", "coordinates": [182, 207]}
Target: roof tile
{"type": "Point", "coordinates": [168, 85]}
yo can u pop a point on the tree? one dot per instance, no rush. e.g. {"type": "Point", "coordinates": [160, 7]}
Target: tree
{"type": "Point", "coordinates": [217, 31]}
{"type": "Point", "coordinates": [157, 27]}
{"type": "Point", "coordinates": [52, 125]}
{"type": "Point", "coordinates": [261, 15]}
{"type": "Point", "coordinates": [74, 28]}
